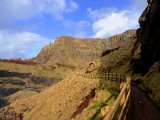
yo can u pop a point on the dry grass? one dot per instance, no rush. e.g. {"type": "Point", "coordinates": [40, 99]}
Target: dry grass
{"type": "Point", "coordinates": [20, 95]}
{"type": "Point", "coordinates": [95, 105]}
{"type": "Point", "coordinates": [57, 102]}
{"type": "Point", "coordinates": [35, 70]}
{"type": "Point", "coordinates": [61, 100]}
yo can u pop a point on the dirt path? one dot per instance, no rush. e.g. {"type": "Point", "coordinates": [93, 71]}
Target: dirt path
{"type": "Point", "coordinates": [142, 108]}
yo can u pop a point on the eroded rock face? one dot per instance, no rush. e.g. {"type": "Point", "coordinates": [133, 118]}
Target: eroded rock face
{"type": "Point", "coordinates": [117, 59]}
{"type": "Point", "coordinates": [73, 53]}
{"type": "Point", "coordinates": [149, 35]}
{"type": "Point", "coordinates": [79, 53]}
{"type": "Point", "coordinates": [146, 56]}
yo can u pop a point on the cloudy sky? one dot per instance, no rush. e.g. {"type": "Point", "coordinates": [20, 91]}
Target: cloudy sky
{"type": "Point", "coordinates": [26, 26]}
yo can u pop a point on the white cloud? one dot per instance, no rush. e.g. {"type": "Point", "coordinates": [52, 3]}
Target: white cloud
{"type": "Point", "coordinates": [21, 44]}
{"type": "Point", "coordinates": [26, 44]}
{"type": "Point", "coordinates": [115, 23]}
{"type": "Point", "coordinates": [24, 9]}
{"type": "Point", "coordinates": [110, 21]}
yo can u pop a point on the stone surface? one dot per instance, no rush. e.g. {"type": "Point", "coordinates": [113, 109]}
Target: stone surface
{"type": "Point", "coordinates": [149, 36]}
{"type": "Point", "coordinates": [146, 57]}
{"type": "Point", "coordinates": [80, 53]}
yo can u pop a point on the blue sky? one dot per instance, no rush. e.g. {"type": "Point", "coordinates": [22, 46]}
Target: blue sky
{"type": "Point", "coordinates": [26, 26]}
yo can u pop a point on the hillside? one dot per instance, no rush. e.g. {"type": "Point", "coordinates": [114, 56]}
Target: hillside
{"type": "Point", "coordinates": [140, 56]}
{"type": "Point", "coordinates": [53, 102]}
{"type": "Point", "coordinates": [79, 53]}
{"type": "Point", "coordinates": [54, 85]}
{"type": "Point", "coordinates": [135, 52]}
{"type": "Point", "coordinates": [20, 80]}
{"type": "Point", "coordinates": [71, 88]}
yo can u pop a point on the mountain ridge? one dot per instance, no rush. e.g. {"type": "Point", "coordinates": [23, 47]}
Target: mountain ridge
{"type": "Point", "coordinates": [79, 53]}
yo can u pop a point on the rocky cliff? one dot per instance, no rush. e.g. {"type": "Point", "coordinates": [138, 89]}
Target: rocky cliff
{"type": "Point", "coordinates": [79, 53]}
{"type": "Point", "coordinates": [146, 57]}
{"type": "Point", "coordinates": [148, 36]}
{"type": "Point", "coordinates": [119, 59]}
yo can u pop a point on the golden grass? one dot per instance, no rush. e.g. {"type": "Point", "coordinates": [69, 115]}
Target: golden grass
{"type": "Point", "coordinates": [20, 95]}
{"type": "Point", "coordinates": [103, 98]}
{"type": "Point", "coordinates": [35, 70]}
{"type": "Point", "coordinates": [59, 101]}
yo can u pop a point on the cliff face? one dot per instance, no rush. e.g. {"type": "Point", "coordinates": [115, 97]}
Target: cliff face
{"type": "Point", "coordinates": [119, 59]}
{"type": "Point", "coordinates": [79, 53]}
{"type": "Point", "coordinates": [71, 52]}
{"type": "Point", "coordinates": [149, 36]}
{"type": "Point", "coordinates": [147, 48]}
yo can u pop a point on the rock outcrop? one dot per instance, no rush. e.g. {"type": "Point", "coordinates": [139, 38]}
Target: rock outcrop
{"type": "Point", "coordinates": [146, 56]}
{"type": "Point", "coordinates": [118, 60]}
{"type": "Point", "coordinates": [79, 53]}
{"type": "Point", "coordinates": [149, 36]}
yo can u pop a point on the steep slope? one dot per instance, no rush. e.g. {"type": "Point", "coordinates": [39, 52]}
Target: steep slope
{"type": "Point", "coordinates": [148, 36]}
{"type": "Point", "coordinates": [20, 80]}
{"type": "Point", "coordinates": [119, 60]}
{"type": "Point", "coordinates": [55, 103]}
{"type": "Point", "coordinates": [140, 56]}
{"type": "Point", "coordinates": [79, 53]}
{"type": "Point", "coordinates": [64, 99]}
{"type": "Point", "coordinates": [75, 97]}
{"type": "Point", "coordinates": [133, 52]}
{"type": "Point", "coordinates": [146, 67]}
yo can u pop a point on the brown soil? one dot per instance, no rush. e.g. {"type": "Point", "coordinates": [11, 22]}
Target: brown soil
{"type": "Point", "coordinates": [142, 108]}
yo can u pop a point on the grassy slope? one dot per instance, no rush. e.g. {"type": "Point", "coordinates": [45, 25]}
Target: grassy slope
{"type": "Point", "coordinates": [23, 93]}
{"type": "Point", "coordinates": [93, 111]}
{"type": "Point", "coordinates": [57, 102]}
{"type": "Point", "coordinates": [35, 70]}
{"type": "Point", "coordinates": [60, 101]}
